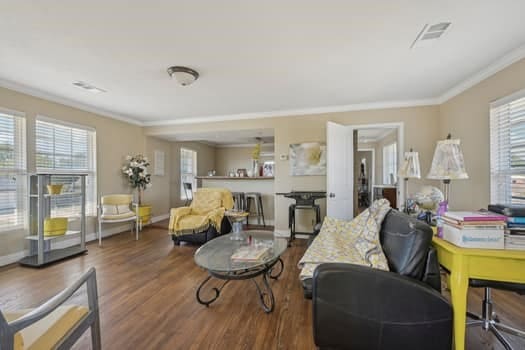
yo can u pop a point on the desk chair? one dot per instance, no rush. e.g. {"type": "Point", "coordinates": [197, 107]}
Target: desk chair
{"type": "Point", "coordinates": [54, 325]}
{"type": "Point", "coordinates": [489, 320]}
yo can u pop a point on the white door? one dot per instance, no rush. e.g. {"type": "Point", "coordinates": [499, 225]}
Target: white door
{"type": "Point", "coordinates": [339, 171]}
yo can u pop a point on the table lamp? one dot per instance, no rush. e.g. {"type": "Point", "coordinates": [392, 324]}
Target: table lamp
{"type": "Point", "coordinates": [409, 170]}
{"type": "Point", "coordinates": [447, 164]}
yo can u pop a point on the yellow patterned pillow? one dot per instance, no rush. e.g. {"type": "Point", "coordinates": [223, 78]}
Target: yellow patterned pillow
{"type": "Point", "coordinates": [368, 244]}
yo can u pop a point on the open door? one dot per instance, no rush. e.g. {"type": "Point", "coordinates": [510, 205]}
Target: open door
{"type": "Point", "coordinates": [340, 171]}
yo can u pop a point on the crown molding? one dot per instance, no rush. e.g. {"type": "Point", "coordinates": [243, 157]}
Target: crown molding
{"type": "Point", "coordinates": [295, 112]}
{"type": "Point", "coordinates": [496, 66]}
{"type": "Point", "coordinates": [66, 101]}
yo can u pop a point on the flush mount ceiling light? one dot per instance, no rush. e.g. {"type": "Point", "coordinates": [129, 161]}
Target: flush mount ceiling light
{"type": "Point", "coordinates": [88, 87]}
{"type": "Point", "coordinates": [184, 75]}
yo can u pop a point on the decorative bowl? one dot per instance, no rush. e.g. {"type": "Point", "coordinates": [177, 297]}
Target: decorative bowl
{"type": "Point", "coordinates": [54, 189]}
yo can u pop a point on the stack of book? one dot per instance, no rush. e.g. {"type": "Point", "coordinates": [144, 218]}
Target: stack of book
{"type": "Point", "coordinates": [478, 229]}
{"type": "Point", "coordinates": [250, 254]}
{"type": "Point", "coordinates": [515, 232]}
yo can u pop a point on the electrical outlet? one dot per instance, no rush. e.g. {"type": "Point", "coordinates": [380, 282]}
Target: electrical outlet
{"type": "Point", "coordinates": [283, 157]}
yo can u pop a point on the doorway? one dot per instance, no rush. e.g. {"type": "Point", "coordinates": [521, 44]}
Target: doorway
{"type": "Point", "coordinates": [377, 178]}
{"type": "Point", "coordinates": [353, 181]}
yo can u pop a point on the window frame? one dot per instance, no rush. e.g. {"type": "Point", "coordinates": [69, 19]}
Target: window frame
{"type": "Point", "coordinates": [20, 171]}
{"type": "Point", "coordinates": [182, 174]}
{"type": "Point", "coordinates": [501, 170]}
{"type": "Point", "coordinates": [392, 160]}
{"type": "Point", "coordinates": [91, 161]}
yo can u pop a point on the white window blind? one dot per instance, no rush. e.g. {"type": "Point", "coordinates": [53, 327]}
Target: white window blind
{"type": "Point", "coordinates": [507, 149]}
{"type": "Point", "coordinates": [13, 181]}
{"type": "Point", "coordinates": [188, 170]}
{"type": "Point", "coordinates": [61, 148]}
{"type": "Point", "coordinates": [390, 164]}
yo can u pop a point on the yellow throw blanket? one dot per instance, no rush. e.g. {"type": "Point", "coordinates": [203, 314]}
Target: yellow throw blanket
{"type": "Point", "coordinates": [207, 208]}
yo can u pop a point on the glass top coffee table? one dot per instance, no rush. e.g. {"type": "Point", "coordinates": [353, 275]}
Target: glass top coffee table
{"type": "Point", "coordinates": [216, 257]}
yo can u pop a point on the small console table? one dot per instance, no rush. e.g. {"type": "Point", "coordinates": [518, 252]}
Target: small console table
{"type": "Point", "coordinates": [303, 200]}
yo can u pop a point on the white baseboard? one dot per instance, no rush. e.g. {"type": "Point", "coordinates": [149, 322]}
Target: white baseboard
{"type": "Point", "coordinates": [281, 233]}
{"type": "Point", "coordinates": [71, 241]}
{"type": "Point", "coordinates": [11, 258]}
{"type": "Point", "coordinates": [160, 218]}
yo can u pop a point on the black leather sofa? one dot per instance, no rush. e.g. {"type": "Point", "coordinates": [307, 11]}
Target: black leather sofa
{"type": "Point", "coordinates": [357, 307]}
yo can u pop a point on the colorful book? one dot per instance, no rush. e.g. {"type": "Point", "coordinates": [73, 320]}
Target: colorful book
{"type": "Point", "coordinates": [516, 220]}
{"type": "Point", "coordinates": [475, 216]}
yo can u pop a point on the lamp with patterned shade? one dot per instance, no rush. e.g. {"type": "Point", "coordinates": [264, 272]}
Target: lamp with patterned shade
{"type": "Point", "coordinates": [448, 163]}
{"type": "Point", "coordinates": [410, 169]}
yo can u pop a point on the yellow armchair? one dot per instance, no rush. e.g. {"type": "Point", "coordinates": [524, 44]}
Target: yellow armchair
{"type": "Point", "coordinates": [204, 218]}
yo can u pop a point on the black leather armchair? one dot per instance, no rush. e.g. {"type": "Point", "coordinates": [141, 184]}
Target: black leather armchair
{"type": "Point", "coordinates": [357, 307]}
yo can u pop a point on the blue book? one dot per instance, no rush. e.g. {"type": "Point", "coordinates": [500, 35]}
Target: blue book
{"type": "Point", "coordinates": [516, 219]}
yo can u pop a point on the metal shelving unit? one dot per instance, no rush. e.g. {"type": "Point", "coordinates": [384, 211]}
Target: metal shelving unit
{"type": "Point", "coordinates": [41, 251]}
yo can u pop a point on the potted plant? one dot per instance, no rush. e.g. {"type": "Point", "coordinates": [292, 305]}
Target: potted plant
{"type": "Point", "coordinates": [136, 171]}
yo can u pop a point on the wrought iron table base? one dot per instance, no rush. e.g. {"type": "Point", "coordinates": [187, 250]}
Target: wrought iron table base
{"type": "Point", "coordinates": [266, 298]}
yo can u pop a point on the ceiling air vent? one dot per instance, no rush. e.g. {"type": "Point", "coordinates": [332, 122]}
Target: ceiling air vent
{"type": "Point", "coordinates": [430, 33]}
{"type": "Point", "coordinates": [88, 87]}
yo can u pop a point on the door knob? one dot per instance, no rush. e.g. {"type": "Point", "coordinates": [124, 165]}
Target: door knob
{"type": "Point", "coordinates": [332, 195]}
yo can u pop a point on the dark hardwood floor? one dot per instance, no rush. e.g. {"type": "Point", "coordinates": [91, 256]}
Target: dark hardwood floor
{"type": "Point", "coordinates": [147, 299]}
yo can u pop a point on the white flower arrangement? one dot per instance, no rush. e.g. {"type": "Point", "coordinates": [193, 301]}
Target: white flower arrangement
{"type": "Point", "coordinates": [136, 171]}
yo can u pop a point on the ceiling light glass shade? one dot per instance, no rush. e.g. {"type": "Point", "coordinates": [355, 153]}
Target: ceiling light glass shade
{"type": "Point", "coordinates": [184, 75]}
{"type": "Point", "coordinates": [448, 163]}
{"type": "Point", "coordinates": [410, 168]}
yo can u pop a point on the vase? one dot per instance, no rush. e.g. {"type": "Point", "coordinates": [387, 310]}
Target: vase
{"type": "Point", "coordinates": [141, 192]}
{"type": "Point", "coordinates": [255, 167]}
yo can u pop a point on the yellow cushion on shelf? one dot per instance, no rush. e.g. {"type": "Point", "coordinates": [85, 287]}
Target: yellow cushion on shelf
{"type": "Point", "coordinates": [49, 331]}
{"type": "Point", "coordinates": [55, 226]}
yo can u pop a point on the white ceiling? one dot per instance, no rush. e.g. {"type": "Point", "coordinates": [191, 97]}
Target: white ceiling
{"type": "Point", "coordinates": [253, 57]}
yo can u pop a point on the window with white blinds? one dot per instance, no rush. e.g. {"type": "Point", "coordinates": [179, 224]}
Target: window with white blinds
{"type": "Point", "coordinates": [13, 181]}
{"type": "Point", "coordinates": [507, 149]}
{"type": "Point", "coordinates": [62, 148]}
{"type": "Point", "coordinates": [188, 170]}
{"type": "Point", "coordinates": [390, 164]}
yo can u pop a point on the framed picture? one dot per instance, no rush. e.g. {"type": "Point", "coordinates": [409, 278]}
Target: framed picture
{"type": "Point", "coordinates": [268, 168]}
{"type": "Point", "coordinates": [307, 158]}
{"type": "Point", "coordinates": [158, 165]}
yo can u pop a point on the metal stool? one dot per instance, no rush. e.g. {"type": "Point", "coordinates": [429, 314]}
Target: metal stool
{"type": "Point", "coordinates": [239, 201]}
{"type": "Point", "coordinates": [256, 197]}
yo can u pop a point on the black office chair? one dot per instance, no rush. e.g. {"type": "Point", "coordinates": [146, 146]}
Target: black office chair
{"type": "Point", "coordinates": [188, 192]}
{"type": "Point", "coordinates": [489, 320]}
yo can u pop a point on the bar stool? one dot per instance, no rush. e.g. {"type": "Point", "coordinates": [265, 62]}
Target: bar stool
{"type": "Point", "coordinates": [256, 197]}
{"type": "Point", "coordinates": [239, 200]}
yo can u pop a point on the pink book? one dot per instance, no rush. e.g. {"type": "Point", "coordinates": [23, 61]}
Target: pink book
{"type": "Point", "coordinates": [475, 216]}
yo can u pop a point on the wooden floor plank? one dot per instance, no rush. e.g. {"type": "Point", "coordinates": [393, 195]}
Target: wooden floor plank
{"type": "Point", "coordinates": [147, 299]}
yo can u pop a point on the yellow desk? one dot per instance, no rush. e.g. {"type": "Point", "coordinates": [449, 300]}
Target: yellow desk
{"type": "Point", "coordinates": [144, 213]}
{"type": "Point", "coordinates": [466, 263]}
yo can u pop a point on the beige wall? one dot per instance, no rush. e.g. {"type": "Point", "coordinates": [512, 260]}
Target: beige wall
{"type": "Point", "coordinates": [420, 128]}
{"type": "Point", "coordinates": [466, 117]}
{"type": "Point", "coordinates": [233, 158]}
{"type": "Point", "coordinates": [115, 139]}
{"type": "Point", "coordinates": [205, 162]}
{"type": "Point", "coordinates": [158, 195]}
